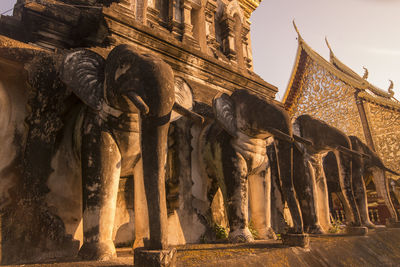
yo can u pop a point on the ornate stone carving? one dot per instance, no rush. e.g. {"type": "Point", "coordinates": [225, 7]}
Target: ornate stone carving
{"type": "Point", "coordinates": [326, 97]}
{"type": "Point", "coordinates": [385, 128]}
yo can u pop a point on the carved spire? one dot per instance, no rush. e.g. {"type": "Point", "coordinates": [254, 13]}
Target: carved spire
{"type": "Point", "coordinates": [365, 76]}
{"type": "Point", "coordinates": [390, 89]}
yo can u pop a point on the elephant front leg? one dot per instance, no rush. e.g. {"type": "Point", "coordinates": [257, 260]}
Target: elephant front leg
{"type": "Point", "coordinates": [235, 178]}
{"type": "Point", "coordinates": [101, 163]}
{"type": "Point", "coordinates": [360, 196]}
{"type": "Point", "coordinates": [260, 203]}
{"type": "Point", "coordinates": [304, 177]}
{"type": "Point", "coordinates": [285, 163]}
{"type": "Point", "coordinates": [345, 181]}
{"type": "Point", "coordinates": [322, 194]}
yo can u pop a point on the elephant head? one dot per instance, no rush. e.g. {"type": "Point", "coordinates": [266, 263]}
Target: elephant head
{"type": "Point", "coordinates": [250, 120]}
{"type": "Point", "coordinates": [371, 163]}
{"type": "Point", "coordinates": [127, 83]}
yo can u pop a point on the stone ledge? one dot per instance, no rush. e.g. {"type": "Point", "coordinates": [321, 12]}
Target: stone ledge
{"type": "Point", "coordinates": [377, 248]}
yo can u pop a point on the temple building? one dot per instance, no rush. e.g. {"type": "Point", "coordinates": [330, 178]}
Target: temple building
{"type": "Point", "coordinates": [334, 93]}
{"type": "Point", "coordinates": [207, 44]}
{"type": "Point", "coordinates": [114, 126]}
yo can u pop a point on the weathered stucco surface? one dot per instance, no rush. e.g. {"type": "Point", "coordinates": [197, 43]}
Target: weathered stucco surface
{"type": "Point", "coordinates": [13, 100]}
{"type": "Point", "coordinates": [376, 249]}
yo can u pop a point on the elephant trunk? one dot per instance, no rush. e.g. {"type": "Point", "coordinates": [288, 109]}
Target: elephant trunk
{"type": "Point", "coordinates": [154, 141]}
{"type": "Point", "coordinates": [382, 188]}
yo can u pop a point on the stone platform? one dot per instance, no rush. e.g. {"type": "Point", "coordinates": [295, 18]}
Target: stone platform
{"type": "Point", "coordinates": [377, 248]}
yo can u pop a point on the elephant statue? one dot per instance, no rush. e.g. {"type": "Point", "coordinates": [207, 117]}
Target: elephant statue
{"type": "Point", "coordinates": [129, 98]}
{"type": "Point", "coordinates": [233, 154]}
{"type": "Point", "coordinates": [395, 189]}
{"type": "Point", "coordinates": [368, 163]}
{"type": "Point", "coordinates": [309, 176]}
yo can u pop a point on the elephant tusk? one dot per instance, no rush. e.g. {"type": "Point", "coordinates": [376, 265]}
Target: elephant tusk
{"type": "Point", "coordinates": [365, 155]}
{"type": "Point", "coordinates": [348, 151]}
{"type": "Point", "coordinates": [391, 171]}
{"type": "Point", "coordinates": [280, 135]}
{"type": "Point", "coordinates": [138, 102]}
{"type": "Point", "coordinates": [188, 113]}
{"type": "Point", "coordinates": [303, 140]}
{"type": "Point", "coordinates": [351, 152]}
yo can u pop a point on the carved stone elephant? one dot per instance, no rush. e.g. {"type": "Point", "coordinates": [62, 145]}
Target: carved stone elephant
{"type": "Point", "coordinates": [129, 98]}
{"type": "Point", "coordinates": [309, 176]}
{"type": "Point", "coordinates": [233, 152]}
{"type": "Point", "coordinates": [395, 189]}
{"type": "Point", "coordinates": [368, 163]}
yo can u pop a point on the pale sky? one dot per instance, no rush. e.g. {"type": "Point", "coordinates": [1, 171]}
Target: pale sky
{"type": "Point", "coordinates": [360, 32]}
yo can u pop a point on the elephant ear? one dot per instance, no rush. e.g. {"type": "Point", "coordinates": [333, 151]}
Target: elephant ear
{"type": "Point", "coordinates": [183, 96]}
{"type": "Point", "coordinates": [224, 111]}
{"type": "Point", "coordinates": [83, 72]}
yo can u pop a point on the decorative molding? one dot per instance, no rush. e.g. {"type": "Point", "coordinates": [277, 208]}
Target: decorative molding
{"type": "Point", "coordinates": [248, 6]}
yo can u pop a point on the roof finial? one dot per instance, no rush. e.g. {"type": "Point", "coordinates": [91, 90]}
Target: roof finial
{"type": "Point", "coordinates": [365, 76]}
{"type": "Point", "coordinates": [390, 89]}
{"type": "Point", "coordinates": [329, 46]}
{"type": "Point", "coordinates": [331, 54]}
{"type": "Point", "coordinates": [297, 30]}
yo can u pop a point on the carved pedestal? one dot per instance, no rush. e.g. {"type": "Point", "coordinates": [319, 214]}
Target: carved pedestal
{"type": "Point", "coordinates": [392, 224]}
{"type": "Point", "coordinates": [296, 240]}
{"type": "Point", "coordinates": [356, 230]}
{"type": "Point", "coordinates": [155, 258]}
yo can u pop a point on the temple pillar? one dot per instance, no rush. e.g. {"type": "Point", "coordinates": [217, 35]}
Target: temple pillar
{"type": "Point", "coordinates": [210, 9]}
{"type": "Point", "coordinates": [187, 24]}
{"type": "Point", "coordinates": [228, 38]}
{"type": "Point", "coordinates": [152, 13]}
{"type": "Point", "coordinates": [247, 55]}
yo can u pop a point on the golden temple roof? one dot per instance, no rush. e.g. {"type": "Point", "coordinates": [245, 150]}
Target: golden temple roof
{"type": "Point", "coordinates": [366, 90]}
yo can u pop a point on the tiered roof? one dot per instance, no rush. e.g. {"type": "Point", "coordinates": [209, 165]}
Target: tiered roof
{"type": "Point", "coordinates": [366, 90]}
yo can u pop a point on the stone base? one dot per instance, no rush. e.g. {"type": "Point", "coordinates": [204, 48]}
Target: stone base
{"type": "Point", "coordinates": [379, 228]}
{"type": "Point", "coordinates": [17, 253]}
{"type": "Point", "coordinates": [393, 224]}
{"type": "Point", "coordinates": [296, 240]}
{"type": "Point", "coordinates": [356, 230]}
{"type": "Point", "coordinates": [99, 251]}
{"type": "Point", "coordinates": [154, 258]}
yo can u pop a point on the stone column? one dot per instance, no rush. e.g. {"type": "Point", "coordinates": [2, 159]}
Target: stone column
{"type": "Point", "coordinates": [247, 54]}
{"type": "Point", "coordinates": [210, 10]}
{"type": "Point", "coordinates": [141, 7]}
{"type": "Point", "coordinates": [153, 14]}
{"type": "Point", "coordinates": [176, 19]}
{"type": "Point", "coordinates": [187, 23]}
{"type": "Point", "coordinates": [228, 38]}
